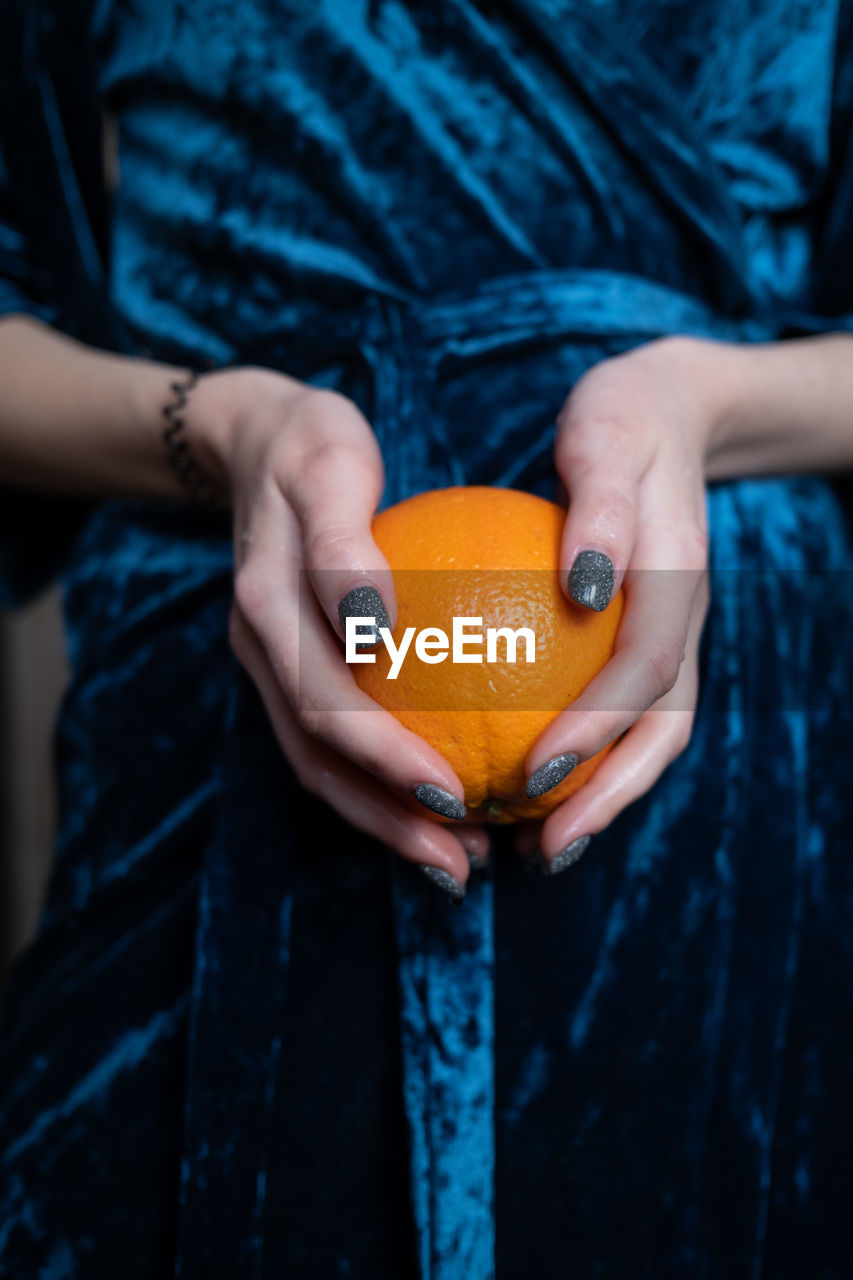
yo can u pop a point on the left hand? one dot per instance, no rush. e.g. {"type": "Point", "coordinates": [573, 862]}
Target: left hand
{"type": "Point", "coordinates": [632, 439]}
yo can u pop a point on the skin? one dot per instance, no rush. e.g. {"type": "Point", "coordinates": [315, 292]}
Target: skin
{"type": "Point", "coordinates": [636, 441]}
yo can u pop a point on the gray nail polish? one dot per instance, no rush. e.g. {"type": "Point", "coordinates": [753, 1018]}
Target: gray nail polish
{"type": "Point", "coordinates": [440, 801]}
{"type": "Point", "coordinates": [591, 580]}
{"type": "Point", "coordinates": [566, 856]}
{"type": "Point", "coordinates": [478, 861]}
{"type": "Point", "coordinates": [447, 882]}
{"type": "Point", "coordinates": [364, 602]}
{"type": "Point", "coordinates": [550, 775]}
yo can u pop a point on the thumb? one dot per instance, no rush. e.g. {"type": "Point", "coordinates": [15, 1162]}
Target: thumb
{"type": "Point", "coordinates": [334, 490]}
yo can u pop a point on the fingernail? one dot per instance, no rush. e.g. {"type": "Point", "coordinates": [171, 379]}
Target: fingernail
{"type": "Point", "coordinates": [591, 580]}
{"type": "Point", "coordinates": [447, 882]}
{"type": "Point", "coordinates": [550, 775]}
{"type": "Point", "coordinates": [364, 602]}
{"type": "Point", "coordinates": [566, 856]}
{"type": "Point", "coordinates": [440, 801]}
{"type": "Point", "coordinates": [478, 861]}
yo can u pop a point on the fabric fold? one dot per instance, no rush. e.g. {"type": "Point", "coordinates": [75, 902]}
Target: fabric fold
{"type": "Point", "coordinates": [235, 1040]}
{"type": "Point", "coordinates": [446, 980]}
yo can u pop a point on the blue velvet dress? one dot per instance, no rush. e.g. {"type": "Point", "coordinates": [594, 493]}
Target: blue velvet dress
{"type": "Point", "coordinates": [247, 1042]}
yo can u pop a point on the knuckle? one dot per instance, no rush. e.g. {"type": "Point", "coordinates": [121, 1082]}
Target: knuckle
{"type": "Point", "coordinates": [250, 589]}
{"type": "Point", "coordinates": [321, 459]}
{"type": "Point", "coordinates": [599, 422]}
{"type": "Point", "coordinates": [282, 453]}
{"type": "Point", "coordinates": [313, 716]}
{"type": "Point", "coordinates": [581, 438]}
{"type": "Point", "coordinates": [696, 545]}
{"type": "Point", "coordinates": [663, 661]}
{"type": "Point", "coordinates": [579, 469]}
{"type": "Point", "coordinates": [325, 460]}
{"type": "Point", "coordinates": [329, 545]}
{"type": "Point", "coordinates": [614, 507]}
{"type": "Point", "coordinates": [600, 453]}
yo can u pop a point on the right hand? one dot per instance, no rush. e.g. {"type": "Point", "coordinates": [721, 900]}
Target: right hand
{"type": "Point", "coordinates": [305, 475]}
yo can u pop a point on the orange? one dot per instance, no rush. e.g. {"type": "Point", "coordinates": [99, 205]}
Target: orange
{"type": "Point", "coordinates": [491, 554]}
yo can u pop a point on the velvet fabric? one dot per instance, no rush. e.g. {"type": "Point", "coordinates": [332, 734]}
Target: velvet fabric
{"type": "Point", "coordinates": [247, 1042]}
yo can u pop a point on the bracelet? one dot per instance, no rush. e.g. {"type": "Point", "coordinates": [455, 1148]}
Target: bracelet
{"type": "Point", "coordinates": [191, 474]}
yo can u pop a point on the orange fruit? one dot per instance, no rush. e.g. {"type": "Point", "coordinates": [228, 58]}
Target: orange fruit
{"type": "Point", "coordinates": [493, 554]}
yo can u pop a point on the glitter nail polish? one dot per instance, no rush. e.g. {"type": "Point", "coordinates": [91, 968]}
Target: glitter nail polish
{"type": "Point", "coordinates": [566, 856]}
{"type": "Point", "coordinates": [446, 882]}
{"type": "Point", "coordinates": [440, 801]}
{"type": "Point", "coordinates": [591, 580]}
{"type": "Point", "coordinates": [364, 602]}
{"type": "Point", "coordinates": [550, 775]}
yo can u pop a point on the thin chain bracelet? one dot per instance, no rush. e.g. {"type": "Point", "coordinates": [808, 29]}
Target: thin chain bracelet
{"type": "Point", "coordinates": [191, 474]}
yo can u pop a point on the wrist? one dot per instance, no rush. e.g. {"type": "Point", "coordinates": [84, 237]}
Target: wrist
{"type": "Point", "coordinates": [714, 374]}
{"type": "Point", "coordinates": [230, 411]}
{"type": "Point", "coordinates": [212, 415]}
{"type": "Point", "coordinates": [149, 390]}
{"type": "Point", "coordinates": [177, 415]}
{"type": "Point", "coordinates": [763, 408]}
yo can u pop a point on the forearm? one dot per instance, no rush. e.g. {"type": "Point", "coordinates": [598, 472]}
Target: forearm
{"type": "Point", "coordinates": [782, 406]}
{"type": "Point", "coordinates": [77, 420]}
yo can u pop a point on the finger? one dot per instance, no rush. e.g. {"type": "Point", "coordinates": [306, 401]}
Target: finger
{"type": "Point", "coordinates": [600, 464]}
{"type": "Point", "coordinates": [626, 773]}
{"type": "Point", "coordinates": [334, 483]}
{"type": "Point", "coordinates": [634, 765]}
{"type": "Point", "coordinates": [347, 789]}
{"type": "Point", "coordinates": [476, 843]}
{"type": "Point", "coordinates": [661, 590]}
{"type": "Point", "coordinates": [319, 686]}
{"type": "Point", "coordinates": [650, 648]}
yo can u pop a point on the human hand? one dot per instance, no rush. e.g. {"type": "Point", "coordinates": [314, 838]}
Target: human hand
{"type": "Point", "coordinates": [632, 439]}
{"type": "Point", "coordinates": [304, 474]}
